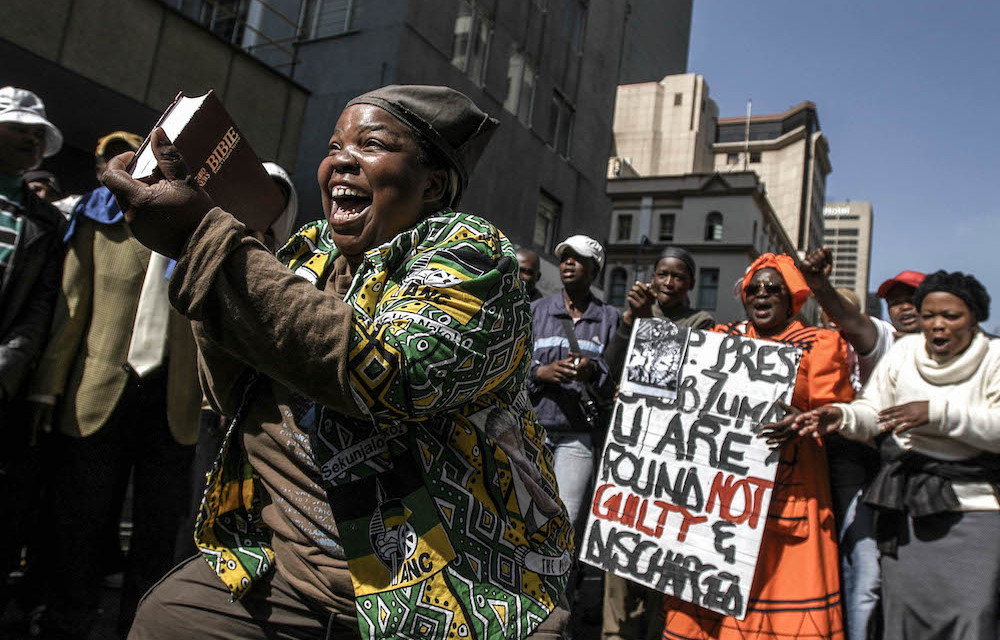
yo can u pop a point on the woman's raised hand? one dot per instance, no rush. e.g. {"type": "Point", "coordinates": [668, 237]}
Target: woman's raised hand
{"type": "Point", "coordinates": [162, 215]}
{"type": "Point", "coordinates": [819, 421]}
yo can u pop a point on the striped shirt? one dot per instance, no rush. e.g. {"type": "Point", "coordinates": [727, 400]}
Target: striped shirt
{"type": "Point", "coordinates": [11, 223]}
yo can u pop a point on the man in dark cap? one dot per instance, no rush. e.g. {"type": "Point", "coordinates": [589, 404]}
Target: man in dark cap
{"type": "Point", "coordinates": [385, 472]}
{"type": "Point", "coordinates": [117, 389]}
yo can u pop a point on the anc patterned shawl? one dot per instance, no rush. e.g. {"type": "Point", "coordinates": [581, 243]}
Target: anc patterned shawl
{"type": "Point", "coordinates": [445, 499]}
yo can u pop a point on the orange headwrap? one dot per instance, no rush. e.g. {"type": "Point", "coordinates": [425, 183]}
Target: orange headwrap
{"type": "Point", "coordinates": [786, 267]}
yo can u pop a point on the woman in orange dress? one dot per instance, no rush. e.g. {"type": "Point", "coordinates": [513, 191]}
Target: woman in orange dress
{"type": "Point", "coordinates": [796, 588]}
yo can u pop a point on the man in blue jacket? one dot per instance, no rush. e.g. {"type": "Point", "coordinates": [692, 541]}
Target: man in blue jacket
{"type": "Point", "coordinates": [570, 383]}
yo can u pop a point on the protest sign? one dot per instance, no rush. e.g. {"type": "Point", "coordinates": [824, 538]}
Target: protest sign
{"type": "Point", "coordinates": [683, 489]}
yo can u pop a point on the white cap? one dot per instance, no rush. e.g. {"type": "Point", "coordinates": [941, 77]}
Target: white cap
{"type": "Point", "coordinates": [583, 246]}
{"type": "Point", "coordinates": [284, 225]}
{"type": "Point", "coordinates": [21, 105]}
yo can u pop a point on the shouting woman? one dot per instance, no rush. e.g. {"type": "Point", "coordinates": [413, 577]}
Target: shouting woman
{"type": "Point", "coordinates": [384, 473]}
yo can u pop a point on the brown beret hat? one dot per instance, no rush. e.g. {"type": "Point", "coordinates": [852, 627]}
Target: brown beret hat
{"type": "Point", "coordinates": [446, 118]}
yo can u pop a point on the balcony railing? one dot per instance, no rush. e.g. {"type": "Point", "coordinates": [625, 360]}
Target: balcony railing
{"type": "Point", "coordinates": [256, 26]}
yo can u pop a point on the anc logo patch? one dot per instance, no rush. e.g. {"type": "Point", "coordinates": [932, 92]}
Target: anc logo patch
{"type": "Point", "coordinates": [390, 529]}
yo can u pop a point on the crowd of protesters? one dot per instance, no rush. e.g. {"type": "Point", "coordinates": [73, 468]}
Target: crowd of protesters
{"type": "Point", "coordinates": [144, 350]}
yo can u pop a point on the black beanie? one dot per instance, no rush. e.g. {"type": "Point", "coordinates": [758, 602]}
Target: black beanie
{"type": "Point", "coordinates": [970, 290]}
{"type": "Point", "coordinates": [682, 255]}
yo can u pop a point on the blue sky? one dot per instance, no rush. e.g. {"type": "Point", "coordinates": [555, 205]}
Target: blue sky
{"type": "Point", "coordinates": [908, 95]}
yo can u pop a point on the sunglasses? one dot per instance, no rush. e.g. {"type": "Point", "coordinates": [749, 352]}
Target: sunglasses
{"type": "Point", "coordinates": [766, 288]}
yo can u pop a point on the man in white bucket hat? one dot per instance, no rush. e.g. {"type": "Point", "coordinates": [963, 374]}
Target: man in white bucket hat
{"type": "Point", "coordinates": [22, 115]}
{"type": "Point", "coordinates": [30, 266]}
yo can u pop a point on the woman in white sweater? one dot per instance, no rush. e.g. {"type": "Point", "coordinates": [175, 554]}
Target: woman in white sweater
{"type": "Point", "coordinates": [932, 407]}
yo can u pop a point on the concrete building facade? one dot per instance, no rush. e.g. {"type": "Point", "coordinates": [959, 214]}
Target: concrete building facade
{"type": "Point", "coordinates": [666, 128]}
{"type": "Point", "coordinates": [547, 70]}
{"type": "Point", "coordinates": [848, 233]}
{"type": "Point", "coordinates": [724, 220]}
{"type": "Point", "coordinates": [104, 65]}
{"type": "Point", "coordinates": [792, 157]}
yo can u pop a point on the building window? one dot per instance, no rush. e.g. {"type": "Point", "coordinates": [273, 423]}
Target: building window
{"type": "Point", "coordinates": [732, 158]}
{"type": "Point", "coordinates": [666, 233]}
{"type": "Point", "coordinates": [617, 287]}
{"type": "Point", "coordinates": [678, 99]}
{"type": "Point", "coordinates": [574, 17]}
{"type": "Point", "coordinates": [332, 17]}
{"type": "Point", "coordinates": [708, 289]}
{"type": "Point", "coordinates": [560, 124]}
{"type": "Point", "coordinates": [471, 43]}
{"type": "Point", "coordinates": [224, 18]}
{"type": "Point", "coordinates": [520, 87]}
{"type": "Point", "coordinates": [754, 157]}
{"type": "Point", "coordinates": [624, 233]}
{"type": "Point", "coordinates": [546, 223]}
{"type": "Point", "coordinates": [713, 227]}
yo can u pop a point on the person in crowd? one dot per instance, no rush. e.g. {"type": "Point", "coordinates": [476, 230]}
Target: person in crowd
{"type": "Point", "coordinates": [629, 606]}
{"type": "Point", "coordinates": [570, 383]}
{"type": "Point", "coordinates": [931, 408]}
{"type": "Point", "coordinates": [384, 474]}
{"type": "Point", "coordinates": [853, 465]}
{"type": "Point", "coordinates": [30, 260]}
{"type": "Point", "coordinates": [898, 295]}
{"type": "Point", "coordinates": [530, 272]}
{"type": "Point", "coordinates": [43, 184]}
{"type": "Point", "coordinates": [117, 386]}
{"type": "Point", "coordinates": [796, 589]}
{"type": "Point", "coordinates": [665, 296]}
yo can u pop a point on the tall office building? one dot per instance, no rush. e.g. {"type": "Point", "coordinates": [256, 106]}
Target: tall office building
{"type": "Point", "coordinates": [792, 157]}
{"type": "Point", "coordinates": [848, 234]}
{"type": "Point", "coordinates": [665, 128]}
{"type": "Point", "coordinates": [671, 127]}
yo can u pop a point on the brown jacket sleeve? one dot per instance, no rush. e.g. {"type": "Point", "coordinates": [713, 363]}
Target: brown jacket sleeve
{"type": "Point", "coordinates": [250, 308]}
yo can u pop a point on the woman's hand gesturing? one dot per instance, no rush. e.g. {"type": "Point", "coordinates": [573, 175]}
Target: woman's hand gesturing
{"type": "Point", "coordinates": [819, 422]}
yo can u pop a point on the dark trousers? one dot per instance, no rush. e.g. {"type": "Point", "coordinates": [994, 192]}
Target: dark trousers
{"type": "Point", "coordinates": [192, 602]}
{"type": "Point", "coordinates": [88, 477]}
{"type": "Point", "coordinates": [21, 480]}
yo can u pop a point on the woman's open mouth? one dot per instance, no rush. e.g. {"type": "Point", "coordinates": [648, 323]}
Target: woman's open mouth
{"type": "Point", "coordinates": [761, 308]}
{"type": "Point", "coordinates": [940, 343]}
{"type": "Point", "coordinates": [347, 205]}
